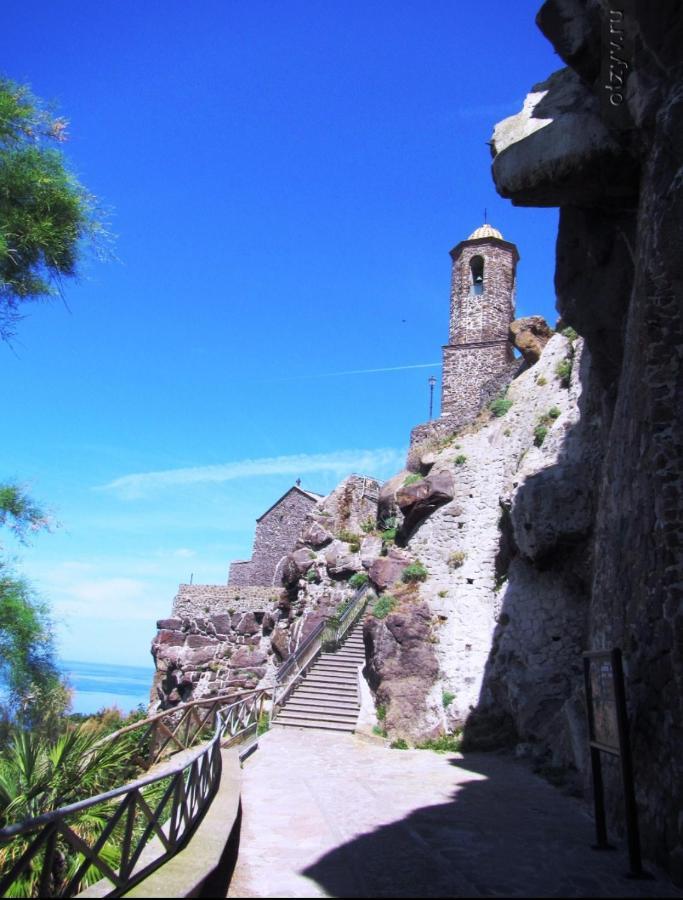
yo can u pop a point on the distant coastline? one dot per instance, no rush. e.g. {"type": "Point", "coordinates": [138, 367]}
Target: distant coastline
{"type": "Point", "coordinates": [98, 685]}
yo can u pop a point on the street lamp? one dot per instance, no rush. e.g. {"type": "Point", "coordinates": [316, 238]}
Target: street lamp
{"type": "Point", "coordinates": [431, 381]}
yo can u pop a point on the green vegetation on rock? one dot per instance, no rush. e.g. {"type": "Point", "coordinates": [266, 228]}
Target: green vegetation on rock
{"type": "Point", "coordinates": [414, 572]}
{"type": "Point", "coordinates": [500, 405]}
{"type": "Point", "coordinates": [445, 743]}
{"type": "Point", "coordinates": [385, 605]}
{"type": "Point", "coordinates": [359, 579]}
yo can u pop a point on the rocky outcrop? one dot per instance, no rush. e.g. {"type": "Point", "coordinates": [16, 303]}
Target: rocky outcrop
{"type": "Point", "coordinates": [419, 500]}
{"type": "Point", "coordinates": [387, 570]}
{"type": "Point", "coordinates": [351, 504]}
{"type": "Point", "coordinates": [209, 656]}
{"type": "Point", "coordinates": [403, 671]}
{"type": "Point", "coordinates": [530, 335]}
{"type": "Point", "coordinates": [609, 154]}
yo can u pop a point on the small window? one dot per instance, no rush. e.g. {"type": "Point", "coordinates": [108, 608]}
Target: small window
{"type": "Point", "coordinates": [477, 270]}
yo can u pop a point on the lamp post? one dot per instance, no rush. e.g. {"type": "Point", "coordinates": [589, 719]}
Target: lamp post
{"type": "Point", "coordinates": [431, 381]}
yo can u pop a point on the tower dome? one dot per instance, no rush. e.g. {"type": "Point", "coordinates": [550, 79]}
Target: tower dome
{"type": "Point", "coordinates": [485, 231]}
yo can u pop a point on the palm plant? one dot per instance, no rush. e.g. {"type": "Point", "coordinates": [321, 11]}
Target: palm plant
{"type": "Point", "coordinates": [38, 775]}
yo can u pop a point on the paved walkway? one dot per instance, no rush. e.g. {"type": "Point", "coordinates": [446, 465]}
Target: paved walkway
{"type": "Point", "coordinates": [326, 815]}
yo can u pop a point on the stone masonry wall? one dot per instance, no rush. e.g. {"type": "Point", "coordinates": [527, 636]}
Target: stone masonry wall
{"type": "Point", "coordinates": [276, 534]}
{"type": "Point", "coordinates": [485, 316]}
{"type": "Point", "coordinates": [465, 371]}
{"type": "Point", "coordinates": [215, 599]}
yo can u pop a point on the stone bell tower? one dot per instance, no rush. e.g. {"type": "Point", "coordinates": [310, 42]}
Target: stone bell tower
{"type": "Point", "coordinates": [482, 307]}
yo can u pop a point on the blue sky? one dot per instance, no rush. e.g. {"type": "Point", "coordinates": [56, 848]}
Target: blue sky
{"type": "Point", "coordinates": [284, 181]}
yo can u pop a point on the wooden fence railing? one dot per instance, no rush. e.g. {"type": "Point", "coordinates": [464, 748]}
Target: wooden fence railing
{"type": "Point", "coordinates": [110, 836]}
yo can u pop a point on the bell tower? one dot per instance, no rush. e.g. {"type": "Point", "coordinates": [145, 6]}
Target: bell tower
{"type": "Point", "coordinates": [482, 307]}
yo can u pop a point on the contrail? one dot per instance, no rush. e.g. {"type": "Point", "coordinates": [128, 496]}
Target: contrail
{"type": "Point", "coordinates": [357, 372]}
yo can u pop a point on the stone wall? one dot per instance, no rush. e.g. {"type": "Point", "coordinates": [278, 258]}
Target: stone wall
{"type": "Point", "coordinates": [276, 534]}
{"type": "Point", "coordinates": [465, 371]}
{"type": "Point", "coordinates": [206, 656]}
{"type": "Point", "coordinates": [215, 599]}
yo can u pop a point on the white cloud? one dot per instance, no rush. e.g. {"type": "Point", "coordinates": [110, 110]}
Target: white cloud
{"type": "Point", "coordinates": [379, 463]}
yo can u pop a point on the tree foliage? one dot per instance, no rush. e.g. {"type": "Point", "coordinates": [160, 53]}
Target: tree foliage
{"type": "Point", "coordinates": [45, 213]}
{"type": "Point", "coordinates": [34, 693]}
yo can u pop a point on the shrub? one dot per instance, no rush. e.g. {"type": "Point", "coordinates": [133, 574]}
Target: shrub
{"type": "Point", "coordinates": [385, 605]}
{"type": "Point", "coordinates": [263, 724]}
{"type": "Point", "coordinates": [414, 572]}
{"type": "Point", "coordinates": [311, 575]}
{"type": "Point", "coordinates": [388, 536]}
{"type": "Point", "coordinates": [570, 333]}
{"type": "Point", "coordinates": [381, 712]}
{"type": "Point", "coordinates": [359, 579]}
{"type": "Point", "coordinates": [399, 744]}
{"type": "Point", "coordinates": [353, 540]}
{"type": "Point", "coordinates": [446, 743]}
{"type": "Point", "coordinates": [500, 405]}
{"type": "Point", "coordinates": [368, 526]}
{"type": "Point", "coordinates": [554, 412]}
{"type": "Point", "coordinates": [540, 431]}
{"type": "Point", "coordinates": [540, 381]}
{"type": "Point", "coordinates": [460, 459]}
{"type": "Point", "coordinates": [412, 479]}
{"type": "Point", "coordinates": [443, 594]}
{"type": "Point", "coordinates": [563, 370]}
{"type": "Point", "coordinates": [456, 559]}
{"type": "Point", "coordinates": [380, 732]}
{"type": "Point", "coordinates": [447, 698]}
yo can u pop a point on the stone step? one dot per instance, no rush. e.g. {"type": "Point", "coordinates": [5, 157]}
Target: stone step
{"type": "Point", "coordinates": [324, 694]}
{"type": "Point", "coordinates": [322, 711]}
{"type": "Point", "coordinates": [347, 662]}
{"type": "Point", "coordinates": [313, 723]}
{"type": "Point", "coordinates": [326, 716]}
{"type": "Point", "coordinates": [331, 675]}
{"type": "Point", "coordinates": [334, 705]}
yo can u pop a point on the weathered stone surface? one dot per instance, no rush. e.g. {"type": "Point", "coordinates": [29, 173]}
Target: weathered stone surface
{"type": "Point", "coordinates": [574, 28]}
{"type": "Point", "coordinates": [554, 509]}
{"type": "Point", "coordinates": [315, 535]}
{"type": "Point", "coordinates": [170, 624]}
{"type": "Point", "coordinates": [403, 670]}
{"type": "Point", "coordinates": [370, 549]}
{"type": "Point", "coordinates": [297, 564]}
{"type": "Point", "coordinates": [386, 570]}
{"type": "Point", "coordinates": [417, 501]}
{"type": "Point", "coordinates": [556, 150]}
{"type": "Point", "coordinates": [350, 504]}
{"type": "Point", "coordinates": [387, 506]}
{"type": "Point", "coordinates": [248, 624]}
{"type": "Point", "coordinates": [246, 658]}
{"type": "Point", "coordinates": [221, 622]}
{"type": "Point", "coordinates": [530, 335]}
{"type": "Point", "coordinates": [193, 641]}
{"type": "Point", "coordinates": [169, 638]}
{"type": "Point", "coordinates": [618, 280]}
{"type": "Point", "coordinates": [340, 559]}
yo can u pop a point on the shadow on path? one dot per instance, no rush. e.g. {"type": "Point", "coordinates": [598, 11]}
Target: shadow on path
{"type": "Point", "coordinates": [504, 833]}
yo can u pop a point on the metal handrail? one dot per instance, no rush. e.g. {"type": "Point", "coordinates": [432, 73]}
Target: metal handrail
{"type": "Point", "coordinates": [132, 820]}
{"type": "Point", "coordinates": [328, 634]}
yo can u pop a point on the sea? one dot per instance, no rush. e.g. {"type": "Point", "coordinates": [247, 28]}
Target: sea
{"type": "Point", "coordinates": [99, 685]}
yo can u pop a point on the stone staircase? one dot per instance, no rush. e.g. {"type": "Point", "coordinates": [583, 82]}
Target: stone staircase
{"type": "Point", "coordinates": [327, 696]}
